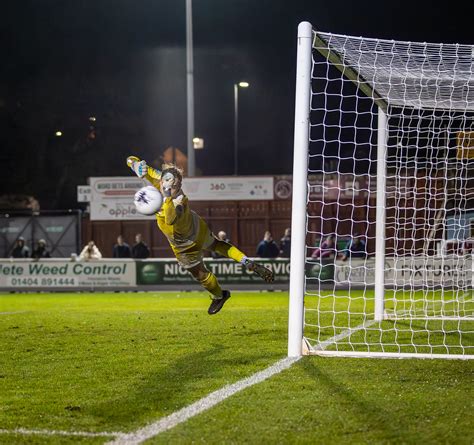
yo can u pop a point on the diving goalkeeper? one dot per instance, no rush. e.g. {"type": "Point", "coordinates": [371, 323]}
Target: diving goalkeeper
{"type": "Point", "coordinates": [188, 234]}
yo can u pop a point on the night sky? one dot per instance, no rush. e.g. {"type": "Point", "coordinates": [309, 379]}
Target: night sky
{"type": "Point", "coordinates": [124, 62]}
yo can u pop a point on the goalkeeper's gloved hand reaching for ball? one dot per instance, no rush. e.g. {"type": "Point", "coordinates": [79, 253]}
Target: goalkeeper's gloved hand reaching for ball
{"type": "Point", "coordinates": [168, 181]}
{"type": "Point", "coordinates": [140, 168]}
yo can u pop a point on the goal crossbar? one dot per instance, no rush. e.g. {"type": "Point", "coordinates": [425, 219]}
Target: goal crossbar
{"type": "Point", "coordinates": [337, 59]}
{"type": "Point", "coordinates": [446, 70]}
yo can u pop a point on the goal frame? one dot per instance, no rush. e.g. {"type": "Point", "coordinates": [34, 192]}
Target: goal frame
{"type": "Point", "coordinates": [297, 345]}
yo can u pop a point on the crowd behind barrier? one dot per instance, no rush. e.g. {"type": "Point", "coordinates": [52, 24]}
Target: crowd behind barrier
{"type": "Point", "coordinates": [267, 248]}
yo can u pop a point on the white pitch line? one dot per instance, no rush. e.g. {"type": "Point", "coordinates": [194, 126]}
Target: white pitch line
{"type": "Point", "coordinates": [13, 312]}
{"type": "Point", "coordinates": [324, 344]}
{"type": "Point", "coordinates": [58, 433]}
{"type": "Point", "coordinates": [201, 405]}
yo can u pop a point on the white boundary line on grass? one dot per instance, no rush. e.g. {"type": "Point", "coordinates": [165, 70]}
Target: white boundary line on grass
{"type": "Point", "coordinates": [13, 312]}
{"type": "Point", "coordinates": [58, 433]}
{"type": "Point", "coordinates": [201, 405]}
{"type": "Point", "coordinates": [324, 344]}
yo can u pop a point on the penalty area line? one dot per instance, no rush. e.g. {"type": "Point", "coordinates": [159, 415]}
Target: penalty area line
{"type": "Point", "coordinates": [201, 405]}
{"type": "Point", "coordinates": [13, 312]}
{"type": "Point", "coordinates": [26, 431]}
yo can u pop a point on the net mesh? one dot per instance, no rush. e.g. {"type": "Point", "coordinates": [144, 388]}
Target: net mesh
{"type": "Point", "coordinates": [427, 93]}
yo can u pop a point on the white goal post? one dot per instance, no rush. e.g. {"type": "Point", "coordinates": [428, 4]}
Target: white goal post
{"type": "Point", "coordinates": [383, 198]}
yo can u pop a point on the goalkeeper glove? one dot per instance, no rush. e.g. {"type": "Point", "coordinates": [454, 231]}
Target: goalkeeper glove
{"type": "Point", "coordinates": [140, 168]}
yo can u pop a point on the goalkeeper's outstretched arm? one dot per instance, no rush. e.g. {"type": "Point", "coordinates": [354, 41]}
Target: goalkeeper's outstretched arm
{"type": "Point", "coordinates": [144, 171]}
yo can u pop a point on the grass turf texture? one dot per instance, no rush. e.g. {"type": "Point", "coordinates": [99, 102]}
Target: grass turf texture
{"type": "Point", "coordinates": [114, 362]}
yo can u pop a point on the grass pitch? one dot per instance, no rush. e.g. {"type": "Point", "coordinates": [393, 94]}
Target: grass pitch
{"type": "Point", "coordinates": [117, 361]}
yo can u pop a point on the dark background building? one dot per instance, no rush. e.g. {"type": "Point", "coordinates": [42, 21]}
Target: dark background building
{"type": "Point", "coordinates": [111, 77]}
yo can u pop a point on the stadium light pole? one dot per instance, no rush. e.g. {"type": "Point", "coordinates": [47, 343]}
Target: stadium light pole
{"type": "Point", "coordinates": [236, 123]}
{"type": "Point", "coordinates": [190, 88]}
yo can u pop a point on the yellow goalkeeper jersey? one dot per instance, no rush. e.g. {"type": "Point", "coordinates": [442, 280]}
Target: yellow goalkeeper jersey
{"type": "Point", "coordinates": [185, 230]}
{"type": "Point", "coordinates": [153, 176]}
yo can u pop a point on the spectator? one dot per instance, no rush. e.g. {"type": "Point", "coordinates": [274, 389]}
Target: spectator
{"type": "Point", "coordinates": [355, 247]}
{"type": "Point", "coordinates": [20, 250]}
{"type": "Point", "coordinates": [285, 244]}
{"type": "Point", "coordinates": [40, 251]}
{"type": "Point", "coordinates": [140, 250]}
{"type": "Point", "coordinates": [90, 252]}
{"type": "Point", "coordinates": [267, 248]}
{"type": "Point", "coordinates": [121, 249]}
{"type": "Point", "coordinates": [223, 237]}
{"type": "Point", "coordinates": [326, 249]}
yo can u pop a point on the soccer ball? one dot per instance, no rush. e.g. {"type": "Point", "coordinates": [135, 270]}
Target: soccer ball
{"type": "Point", "coordinates": [148, 200]}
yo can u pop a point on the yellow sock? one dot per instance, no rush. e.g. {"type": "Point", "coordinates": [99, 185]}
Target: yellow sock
{"type": "Point", "coordinates": [211, 284]}
{"type": "Point", "coordinates": [228, 250]}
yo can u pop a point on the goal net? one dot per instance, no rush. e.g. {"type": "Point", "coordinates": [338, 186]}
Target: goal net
{"type": "Point", "coordinates": [383, 198]}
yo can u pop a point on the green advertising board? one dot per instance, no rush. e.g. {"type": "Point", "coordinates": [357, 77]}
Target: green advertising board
{"type": "Point", "coordinates": [227, 271]}
{"type": "Point", "coordinates": [320, 270]}
{"type": "Point", "coordinates": [151, 274]}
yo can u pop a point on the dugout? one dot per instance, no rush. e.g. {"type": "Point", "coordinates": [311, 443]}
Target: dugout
{"type": "Point", "coordinates": [60, 229]}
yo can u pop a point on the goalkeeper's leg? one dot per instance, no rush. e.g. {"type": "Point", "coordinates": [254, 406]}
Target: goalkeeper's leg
{"type": "Point", "coordinates": [228, 250]}
{"type": "Point", "coordinates": [209, 282]}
